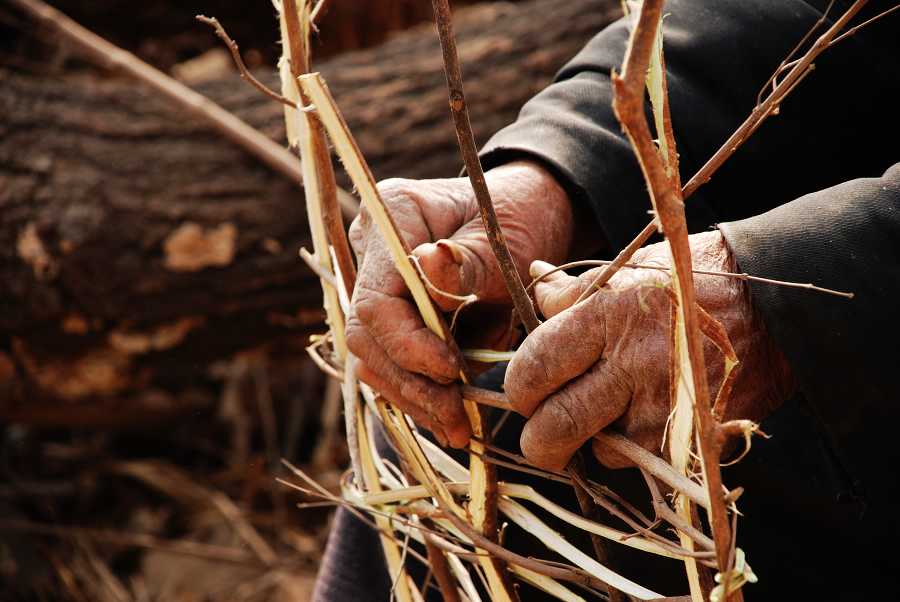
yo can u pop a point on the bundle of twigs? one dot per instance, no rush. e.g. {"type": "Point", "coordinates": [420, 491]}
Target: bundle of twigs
{"type": "Point", "coordinates": [452, 509]}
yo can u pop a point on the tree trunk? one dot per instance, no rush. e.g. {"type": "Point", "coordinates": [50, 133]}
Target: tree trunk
{"type": "Point", "coordinates": [138, 247]}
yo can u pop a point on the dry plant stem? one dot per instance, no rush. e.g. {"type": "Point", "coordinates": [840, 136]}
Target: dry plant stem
{"type": "Point", "coordinates": [628, 104]}
{"type": "Point", "coordinates": [440, 569]}
{"type": "Point", "coordinates": [483, 495]}
{"type": "Point", "coordinates": [520, 299]}
{"type": "Point", "coordinates": [589, 510]}
{"type": "Point", "coordinates": [320, 155]}
{"type": "Point", "coordinates": [327, 187]}
{"type": "Point", "coordinates": [663, 511]}
{"type": "Point", "coordinates": [790, 55]}
{"type": "Point", "coordinates": [322, 202]}
{"type": "Point", "coordinates": [570, 574]}
{"type": "Point", "coordinates": [634, 452]}
{"type": "Point", "coordinates": [313, 265]}
{"type": "Point", "coordinates": [239, 61]}
{"type": "Point", "coordinates": [738, 276]}
{"type": "Point", "coordinates": [866, 23]}
{"type": "Point", "coordinates": [799, 70]}
{"type": "Point", "coordinates": [108, 56]}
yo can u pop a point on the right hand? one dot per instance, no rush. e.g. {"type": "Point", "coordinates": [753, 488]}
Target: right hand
{"type": "Point", "coordinates": [398, 356]}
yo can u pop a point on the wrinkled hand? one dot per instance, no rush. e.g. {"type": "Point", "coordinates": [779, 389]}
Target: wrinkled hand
{"type": "Point", "coordinates": [399, 356]}
{"type": "Point", "coordinates": [605, 362]}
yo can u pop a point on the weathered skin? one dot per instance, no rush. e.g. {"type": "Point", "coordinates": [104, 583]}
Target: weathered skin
{"type": "Point", "coordinates": [605, 362]}
{"type": "Point", "coordinates": [602, 363]}
{"type": "Point", "coordinates": [398, 355]}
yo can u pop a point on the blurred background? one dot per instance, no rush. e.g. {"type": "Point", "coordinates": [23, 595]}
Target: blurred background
{"type": "Point", "coordinates": [153, 311]}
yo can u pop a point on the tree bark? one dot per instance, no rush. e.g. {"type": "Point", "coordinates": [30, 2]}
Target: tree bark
{"type": "Point", "coordinates": [137, 247]}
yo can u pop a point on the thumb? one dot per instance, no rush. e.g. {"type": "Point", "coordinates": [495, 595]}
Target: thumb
{"type": "Point", "coordinates": [455, 270]}
{"type": "Point", "coordinates": [557, 291]}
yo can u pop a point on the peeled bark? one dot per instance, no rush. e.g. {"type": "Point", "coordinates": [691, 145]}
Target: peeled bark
{"type": "Point", "coordinates": [137, 247]}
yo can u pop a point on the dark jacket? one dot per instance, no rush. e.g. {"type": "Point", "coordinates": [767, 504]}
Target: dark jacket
{"type": "Point", "coordinates": [812, 197]}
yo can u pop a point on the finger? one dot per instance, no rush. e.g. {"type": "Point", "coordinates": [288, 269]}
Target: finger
{"type": "Point", "coordinates": [464, 264]}
{"type": "Point", "coordinates": [442, 264]}
{"type": "Point", "coordinates": [396, 326]}
{"type": "Point", "coordinates": [557, 351]}
{"type": "Point", "coordinates": [547, 272]}
{"type": "Point", "coordinates": [558, 292]}
{"type": "Point", "coordinates": [460, 266]}
{"type": "Point", "coordinates": [441, 404]}
{"type": "Point", "coordinates": [568, 418]}
{"type": "Point", "coordinates": [390, 393]}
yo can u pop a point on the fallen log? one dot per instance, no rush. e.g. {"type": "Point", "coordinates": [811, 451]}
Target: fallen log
{"type": "Point", "coordinates": [137, 246]}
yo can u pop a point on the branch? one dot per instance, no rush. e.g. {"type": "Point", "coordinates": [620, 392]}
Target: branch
{"type": "Point", "coordinates": [589, 510]}
{"type": "Point", "coordinates": [239, 61]}
{"type": "Point", "coordinates": [740, 135]}
{"type": "Point", "coordinates": [107, 56]}
{"type": "Point", "coordinates": [738, 276]}
{"type": "Point", "coordinates": [628, 104]}
{"type": "Point", "coordinates": [466, 138]}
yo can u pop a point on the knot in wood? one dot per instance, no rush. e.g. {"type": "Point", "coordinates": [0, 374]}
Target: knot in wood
{"type": "Point", "coordinates": [457, 102]}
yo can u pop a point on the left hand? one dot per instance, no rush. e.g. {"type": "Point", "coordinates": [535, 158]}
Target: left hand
{"type": "Point", "coordinates": [605, 362]}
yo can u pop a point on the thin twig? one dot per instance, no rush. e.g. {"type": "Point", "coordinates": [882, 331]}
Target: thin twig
{"type": "Point", "coordinates": [589, 510]}
{"type": "Point", "coordinates": [787, 59]}
{"type": "Point", "coordinates": [460, 112]}
{"type": "Point", "coordinates": [317, 269]}
{"type": "Point", "coordinates": [628, 95]}
{"type": "Point", "coordinates": [438, 567]}
{"type": "Point", "coordinates": [866, 23]}
{"type": "Point", "coordinates": [108, 56]}
{"type": "Point", "coordinates": [239, 61]}
{"type": "Point", "coordinates": [740, 135]}
{"type": "Point", "coordinates": [738, 276]}
{"type": "Point", "coordinates": [664, 512]}
{"type": "Point", "coordinates": [314, 15]}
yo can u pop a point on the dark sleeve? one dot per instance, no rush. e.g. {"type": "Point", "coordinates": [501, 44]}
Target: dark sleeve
{"type": "Point", "coordinates": [718, 54]}
{"type": "Point", "coordinates": [843, 351]}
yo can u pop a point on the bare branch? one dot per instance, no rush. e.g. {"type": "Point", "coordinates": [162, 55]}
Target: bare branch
{"type": "Point", "coordinates": [466, 139]}
{"type": "Point", "coordinates": [740, 135]}
{"type": "Point", "coordinates": [739, 276]}
{"type": "Point", "coordinates": [239, 61]}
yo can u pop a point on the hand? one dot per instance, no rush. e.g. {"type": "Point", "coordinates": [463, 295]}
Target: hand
{"type": "Point", "coordinates": [605, 362]}
{"type": "Point", "coordinates": [399, 356]}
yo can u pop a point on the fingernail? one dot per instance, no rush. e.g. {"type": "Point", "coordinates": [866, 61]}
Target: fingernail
{"type": "Point", "coordinates": [539, 268]}
{"type": "Point", "coordinates": [452, 248]}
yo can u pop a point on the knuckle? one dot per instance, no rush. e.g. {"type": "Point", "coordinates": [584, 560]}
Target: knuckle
{"type": "Point", "coordinates": [394, 186]}
{"type": "Point", "coordinates": [366, 307]}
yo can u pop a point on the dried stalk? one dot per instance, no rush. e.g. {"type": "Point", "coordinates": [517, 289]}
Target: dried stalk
{"type": "Point", "coordinates": [736, 275]}
{"type": "Point", "coordinates": [305, 129]}
{"type": "Point", "coordinates": [482, 505]}
{"type": "Point", "coordinates": [628, 104]}
{"type": "Point", "coordinates": [460, 112]}
{"type": "Point", "coordinates": [297, 30]}
{"type": "Point", "coordinates": [550, 538]}
{"type": "Point", "coordinates": [759, 113]}
{"type": "Point", "coordinates": [440, 568]}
